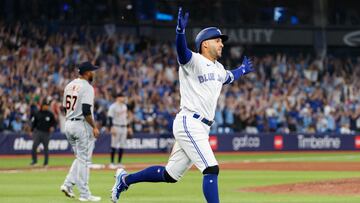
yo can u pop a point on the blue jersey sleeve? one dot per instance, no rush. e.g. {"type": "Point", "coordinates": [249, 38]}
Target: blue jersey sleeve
{"type": "Point", "coordinates": [245, 68]}
{"type": "Point", "coordinates": [237, 73]}
{"type": "Point", "coordinates": [184, 54]}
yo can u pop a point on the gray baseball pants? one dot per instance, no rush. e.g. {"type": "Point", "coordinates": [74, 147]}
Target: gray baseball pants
{"type": "Point", "coordinates": [80, 137]}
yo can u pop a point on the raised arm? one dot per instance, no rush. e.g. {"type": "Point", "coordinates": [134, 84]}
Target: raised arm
{"type": "Point", "coordinates": [245, 68]}
{"type": "Point", "coordinates": [184, 54]}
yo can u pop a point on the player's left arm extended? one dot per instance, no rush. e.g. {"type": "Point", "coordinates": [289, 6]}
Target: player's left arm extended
{"type": "Point", "coordinates": [184, 54]}
{"type": "Point", "coordinates": [245, 68]}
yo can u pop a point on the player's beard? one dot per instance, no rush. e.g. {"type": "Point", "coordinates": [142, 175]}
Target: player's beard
{"type": "Point", "coordinates": [219, 53]}
{"type": "Point", "coordinates": [91, 78]}
{"type": "Point", "coordinates": [216, 52]}
{"type": "Point", "coordinates": [213, 53]}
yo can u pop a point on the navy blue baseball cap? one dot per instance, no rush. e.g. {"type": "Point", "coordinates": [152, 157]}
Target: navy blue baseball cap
{"type": "Point", "coordinates": [208, 33]}
{"type": "Point", "coordinates": [87, 66]}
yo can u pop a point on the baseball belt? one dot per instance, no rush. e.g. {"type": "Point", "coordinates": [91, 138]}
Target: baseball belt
{"type": "Point", "coordinates": [121, 126]}
{"type": "Point", "coordinates": [202, 119]}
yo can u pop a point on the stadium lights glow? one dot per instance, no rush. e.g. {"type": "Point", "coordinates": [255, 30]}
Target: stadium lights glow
{"type": "Point", "coordinates": [278, 13]}
{"type": "Point", "coordinates": [129, 7]}
{"type": "Point", "coordinates": [164, 16]}
{"type": "Point", "coordinates": [66, 7]}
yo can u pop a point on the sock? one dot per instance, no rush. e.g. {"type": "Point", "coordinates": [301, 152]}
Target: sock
{"type": "Point", "coordinates": [113, 150]}
{"type": "Point", "coordinates": [120, 153]}
{"type": "Point", "coordinates": [151, 174]}
{"type": "Point", "coordinates": [210, 188]}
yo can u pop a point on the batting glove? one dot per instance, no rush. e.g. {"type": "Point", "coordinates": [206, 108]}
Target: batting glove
{"type": "Point", "coordinates": [246, 66]}
{"type": "Point", "coordinates": [182, 22]}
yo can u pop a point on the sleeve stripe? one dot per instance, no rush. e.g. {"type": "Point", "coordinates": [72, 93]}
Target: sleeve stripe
{"type": "Point", "coordinates": [229, 77]}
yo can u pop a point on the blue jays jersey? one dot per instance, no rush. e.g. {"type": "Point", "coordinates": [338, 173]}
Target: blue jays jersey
{"type": "Point", "coordinates": [201, 81]}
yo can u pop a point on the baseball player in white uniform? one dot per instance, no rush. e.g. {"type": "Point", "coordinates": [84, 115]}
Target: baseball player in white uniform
{"type": "Point", "coordinates": [81, 131]}
{"type": "Point", "coordinates": [118, 124]}
{"type": "Point", "coordinates": [201, 78]}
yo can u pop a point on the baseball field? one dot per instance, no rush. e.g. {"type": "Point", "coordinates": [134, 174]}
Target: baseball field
{"type": "Point", "coordinates": [301, 177]}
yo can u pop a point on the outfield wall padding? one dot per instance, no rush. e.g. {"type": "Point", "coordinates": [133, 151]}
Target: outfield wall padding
{"type": "Point", "coordinates": [11, 143]}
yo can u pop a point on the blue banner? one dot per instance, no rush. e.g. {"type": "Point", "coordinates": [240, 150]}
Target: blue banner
{"type": "Point", "coordinates": [141, 143]}
{"type": "Point", "coordinates": [285, 142]}
{"type": "Point", "coordinates": [154, 143]}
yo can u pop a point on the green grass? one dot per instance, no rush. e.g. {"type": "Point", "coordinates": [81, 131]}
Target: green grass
{"type": "Point", "coordinates": [43, 186]}
{"type": "Point", "coordinates": [22, 161]}
{"type": "Point", "coordinates": [293, 157]}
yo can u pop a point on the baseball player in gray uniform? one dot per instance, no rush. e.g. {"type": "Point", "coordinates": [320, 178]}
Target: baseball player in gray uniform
{"type": "Point", "coordinates": [81, 131]}
{"type": "Point", "coordinates": [201, 79]}
{"type": "Point", "coordinates": [118, 124]}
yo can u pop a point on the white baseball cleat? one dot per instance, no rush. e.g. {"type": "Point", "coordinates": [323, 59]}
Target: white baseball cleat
{"type": "Point", "coordinates": [67, 191]}
{"type": "Point", "coordinates": [119, 185]}
{"type": "Point", "coordinates": [90, 199]}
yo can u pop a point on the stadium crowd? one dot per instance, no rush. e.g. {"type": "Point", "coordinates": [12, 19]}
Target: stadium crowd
{"type": "Point", "coordinates": [286, 93]}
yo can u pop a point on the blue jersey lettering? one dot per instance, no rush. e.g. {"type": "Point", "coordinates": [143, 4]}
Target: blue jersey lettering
{"type": "Point", "coordinates": [209, 77]}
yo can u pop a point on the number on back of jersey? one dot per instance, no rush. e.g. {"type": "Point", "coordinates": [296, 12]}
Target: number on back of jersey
{"type": "Point", "coordinates": [70, 102]}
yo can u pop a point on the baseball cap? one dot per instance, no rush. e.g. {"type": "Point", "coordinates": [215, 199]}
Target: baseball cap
{"type": "Point", "coordinates": [208, 33]}
{"type": "Point", "coordinates": [87, 66]}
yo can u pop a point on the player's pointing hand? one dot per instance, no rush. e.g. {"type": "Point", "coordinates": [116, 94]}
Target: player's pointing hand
{"type": "Point", "coordinates": [182, 21]}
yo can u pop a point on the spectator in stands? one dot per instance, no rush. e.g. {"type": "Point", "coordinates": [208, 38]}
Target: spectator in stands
{"type": "Point", "coordinates": [16, 124]}
{"type": "Point", "coordinates": [294, 93]}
